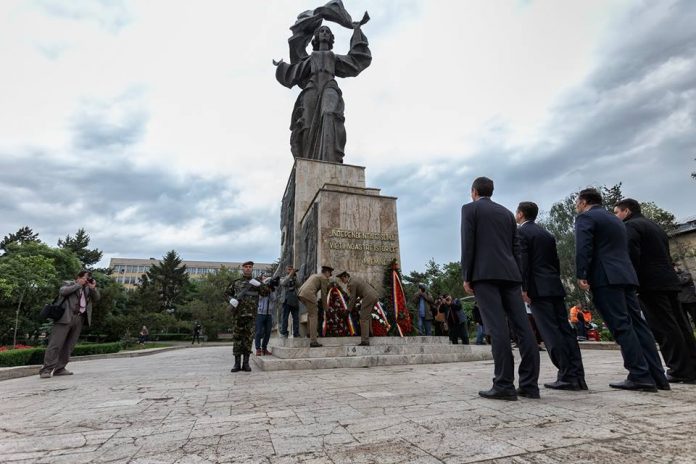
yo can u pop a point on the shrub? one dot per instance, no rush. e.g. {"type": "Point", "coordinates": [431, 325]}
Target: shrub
{"type": "Point", "coordinates": [36, 355]}
{"type": "Point", "coordinates": [605, 336]}
{"type": "Point", "coordinates": [170, 337]}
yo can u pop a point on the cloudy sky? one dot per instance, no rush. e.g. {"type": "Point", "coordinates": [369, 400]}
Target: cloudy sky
{"type": "Point", "coordinates": [159, 125]}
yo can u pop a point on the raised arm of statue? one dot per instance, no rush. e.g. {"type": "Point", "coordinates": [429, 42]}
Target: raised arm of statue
{"type": "Point", "coordinates": [358, 57]}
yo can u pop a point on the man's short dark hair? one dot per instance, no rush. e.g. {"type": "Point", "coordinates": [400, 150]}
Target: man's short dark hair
{"type": "Point", "coordinates": [630, 204]}
{"type": "Point", "coordinates": [83, 273]}
{"type": "Point", "coordinates": [529, 209]}
{"type": "Point", "coordinates": [591, 196]}
{"type": "Point", "coordinates": [483, 186]}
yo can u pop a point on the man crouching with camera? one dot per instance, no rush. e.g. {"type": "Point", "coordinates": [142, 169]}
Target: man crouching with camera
{"type": "Point", "coordinates": [77, 298]}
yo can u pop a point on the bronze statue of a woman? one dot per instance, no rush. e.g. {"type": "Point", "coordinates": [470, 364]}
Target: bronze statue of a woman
{"type": "Point", "coordinates": [316, 124]}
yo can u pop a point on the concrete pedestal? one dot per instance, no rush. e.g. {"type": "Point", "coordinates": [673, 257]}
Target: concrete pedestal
{"type": "Point", "coordinates": [329, 217]}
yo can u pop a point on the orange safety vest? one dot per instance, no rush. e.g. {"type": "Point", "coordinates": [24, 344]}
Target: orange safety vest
{"type": "Point", "coordinates": [587, 315]}
{"type": "Point", "coordinates": [574, 314]}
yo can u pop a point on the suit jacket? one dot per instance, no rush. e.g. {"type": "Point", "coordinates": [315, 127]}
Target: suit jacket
{"type": "Point", "coordinates": [648, 248]}
{"type": "Point", "coordinates": [490, 244]}
{"type": "Point", "coordinates": [359, 288]}
{"type": "Point", "coordinates": [601, 249]}
{"type": "Point", "coordinates": [314, 284]}
{"type": "Point", "coordinates": [71, 292]}
{"type": "Point", "coordinates": [541, 269]}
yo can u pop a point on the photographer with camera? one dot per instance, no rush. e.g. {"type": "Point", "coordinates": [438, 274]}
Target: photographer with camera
{"type": "Point", "coordinates": [77, 298]}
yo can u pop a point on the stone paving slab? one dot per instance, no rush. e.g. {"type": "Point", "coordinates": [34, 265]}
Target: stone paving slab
{"type": "Point", "coordinates": [185, 406]}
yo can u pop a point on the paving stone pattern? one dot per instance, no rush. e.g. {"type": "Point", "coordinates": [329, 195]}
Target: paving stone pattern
{"type": "Point", "coordinates": [186, 407]}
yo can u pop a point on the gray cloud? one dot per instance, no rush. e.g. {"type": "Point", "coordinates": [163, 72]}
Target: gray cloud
{"type": "Point", "coordinates": [131, 211]}
{"type": "Point", "coordinates": [111, 15]}
{"type": "Point", "coordinates": [633, 121]}
{"type": "Point", "coordinates": [111, 123]}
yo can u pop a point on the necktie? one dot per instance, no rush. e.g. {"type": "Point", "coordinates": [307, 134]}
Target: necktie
{"type": "Point", "coordinates": [83, 301]}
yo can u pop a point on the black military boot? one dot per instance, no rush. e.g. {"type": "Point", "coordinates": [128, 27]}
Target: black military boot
{"type": "Point", "coordinates": [246, 367]}
{"type": "Point", "coordinates": [237, 363]}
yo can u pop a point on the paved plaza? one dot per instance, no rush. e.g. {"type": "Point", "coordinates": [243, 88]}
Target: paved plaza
{"type": "Point", "coordinates": [185, 406]}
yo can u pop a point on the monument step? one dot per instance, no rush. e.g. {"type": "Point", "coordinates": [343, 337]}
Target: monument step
{"type": "Point", "coordinates": [469, 353]}
{"type": "Point", "coordinates": [352, 341]}
{"type": "Point", "coordinates": [285, 352]}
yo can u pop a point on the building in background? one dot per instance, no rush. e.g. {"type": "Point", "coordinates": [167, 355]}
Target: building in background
{"type": "Point", "coordinates": [128, 271]}
{"type": "Point", "coordinates": [682, 243]}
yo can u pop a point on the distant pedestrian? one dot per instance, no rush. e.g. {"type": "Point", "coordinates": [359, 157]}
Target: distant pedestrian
{"type": "Point", "coordinates": [264, 318]}
{"type": "Point", "coordinates": [457, 321]}
{"type": "Point", "coordinates": [687, 293]}
{"type": "Point", "coordinates": [197, 329]}
{"type": "Point", "coordinates": [77, 298]}
{"type": "Point", "coordinates": [291, 304]}
{"type": "Point", "coordinates": [424, 309]}
{"type": "Point", "coordinates": [143, 335]}
{"type": "Point", "coordinates": [480, 329]}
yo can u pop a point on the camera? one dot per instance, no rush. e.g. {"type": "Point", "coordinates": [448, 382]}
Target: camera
{"type": "Point", "coordinates": [90, 280]}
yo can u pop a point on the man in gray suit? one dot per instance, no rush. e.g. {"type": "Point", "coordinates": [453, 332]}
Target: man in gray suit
{"type": "Point", "coordinates": [491, 270]}
{"type": "Point", "coordinates": [77, 297]}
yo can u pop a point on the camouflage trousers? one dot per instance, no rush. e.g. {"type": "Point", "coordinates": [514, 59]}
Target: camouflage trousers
{"type": "Point", "coordinates": [243, 319]}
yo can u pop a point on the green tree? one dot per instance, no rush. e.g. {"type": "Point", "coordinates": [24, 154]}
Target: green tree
{"type": "Point", "coordinates": [79, 246]}
{"type": "Point", "coordinates": [23, 235]}
{"type": "Point", "coordinates": [27, 280]}
{"type": "Point", "coordinates": [210, 305]}
{"type": "Point", "coordinates": [168, 280]}
{"type": "Point", "coordinates": [664, 218]}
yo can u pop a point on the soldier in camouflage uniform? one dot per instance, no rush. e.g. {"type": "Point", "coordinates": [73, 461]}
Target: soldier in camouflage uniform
{"type": "Point", "coordinates": [243, 295]}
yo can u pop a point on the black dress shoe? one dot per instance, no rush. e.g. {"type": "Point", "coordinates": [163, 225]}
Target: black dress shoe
{"type": "Point", "coordinates": [664, 386]}
{"type": "Point", "coordinates": [582, 384]}
{"type": "Point", "coordinates": [494, 394]}
{"type": "Point", "coordinates": [315, 345]}
{"type": "Point", "coordinates": [561, 385]}
{"type": "Point", "coordinates": [529, 393]}
{"type": "Point", "coordinates": [670, 379]}
{"type": "Point", "coordinates": [631, 385]}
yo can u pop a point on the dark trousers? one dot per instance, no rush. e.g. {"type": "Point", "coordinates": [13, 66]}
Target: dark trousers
{"type": "Point", "coordinates": [620, 310]}
{"type": "Point", "coordinates": [457, 331]}
{"type": "Point", "coordinates": [500, 302]}
{"type": "Point", "coordinates": [672, 332]}
{"type": "Point", "coordinates": [196, 338]}
{"type": "Point", "coordinates": [287, 311]}
{"type": "Point", "coordinates": [61, 343]}
{"type": "Point", "coordinates": [264, 325]}
{"type": "Point", "coordinates": [690, 309]}
{"type": "Point", "coordinates": [551, 318]}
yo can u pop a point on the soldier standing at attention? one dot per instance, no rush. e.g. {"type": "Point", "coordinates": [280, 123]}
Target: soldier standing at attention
{"type": "Point", "coordinates": [359, 288]}
{"type": "Point", "coordinates": [243, 295]}
{"type": "Point", "coordinates": [308, 296]}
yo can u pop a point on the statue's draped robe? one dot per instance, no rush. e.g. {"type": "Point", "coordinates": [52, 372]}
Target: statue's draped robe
{"type": "Point", "coordinates": [316, 125]}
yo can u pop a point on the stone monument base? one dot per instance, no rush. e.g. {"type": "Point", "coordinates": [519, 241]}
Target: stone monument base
{"type": "Point", "coordinates": [295, 353]}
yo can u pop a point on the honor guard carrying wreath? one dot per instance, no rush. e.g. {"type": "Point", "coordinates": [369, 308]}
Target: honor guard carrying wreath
{"type": "Point", "coordinates": [308, 296]}
{"type": "Point", "coordinates": [359, 288]}
{"type": "Point", "coordinates": [243, 296]}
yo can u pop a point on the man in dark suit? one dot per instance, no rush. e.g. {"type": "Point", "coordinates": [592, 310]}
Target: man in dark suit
{"type": "Point", "coordinates": [658, 291]}
{"type": "Point", "coordinates": [491, 270]}
{"type": "Point", "coordinates": [603, 265]}
{"type": "Point", "coordinates": [543, 290]}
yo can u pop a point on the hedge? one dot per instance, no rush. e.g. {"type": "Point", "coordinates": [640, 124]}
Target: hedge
{"type": "Point", "coordinates": [36, 355]}
{"type": "Point", "coordinates": [170, 337]}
